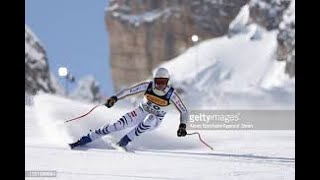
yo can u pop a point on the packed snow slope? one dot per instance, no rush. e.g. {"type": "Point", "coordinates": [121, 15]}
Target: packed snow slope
{"type": "Point", "coordinates": [158, 154]}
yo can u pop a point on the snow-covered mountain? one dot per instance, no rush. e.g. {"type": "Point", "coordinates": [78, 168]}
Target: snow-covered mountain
{"type": "Point", "coordinates": [241, 69]}
{"type": "Point", "coordinates": [87, 90]}
{"type": "Point", "coordinates": [268, 13]}
{"type": "Point", "coordinates": [237, 72]}
{"type": "Point", "coordinates": [168, 25]}
{"type": "Point", "coordinates": [37, 72]}
{"type": "Point", "coordinates": [286, 39]}
{"type": "Point", "coordinates": [280, 15]}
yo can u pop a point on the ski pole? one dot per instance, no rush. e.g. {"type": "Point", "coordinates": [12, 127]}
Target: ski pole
{"type": "Point", "coordinates": [83, 114]}
{"type": "Point", "coordinates": [201, 139]}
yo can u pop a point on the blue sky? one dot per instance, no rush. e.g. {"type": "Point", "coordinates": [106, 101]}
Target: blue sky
{"type": "Point", "coordinates": [74, 35]}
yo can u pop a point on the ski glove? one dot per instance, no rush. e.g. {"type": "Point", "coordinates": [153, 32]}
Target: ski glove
{"type": "Point", "coordinates": [110, 102]}
{"type": "Point", "coordinates": [182, 130]}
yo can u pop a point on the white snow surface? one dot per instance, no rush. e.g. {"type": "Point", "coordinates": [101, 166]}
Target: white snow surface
{"type": "Point", "coordinates": [239, 24]}
{"type": "Point", "coordinates": [261, 155]}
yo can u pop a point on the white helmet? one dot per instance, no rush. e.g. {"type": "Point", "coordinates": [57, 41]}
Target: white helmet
{"type": "Point", "coordinates": [161, 78]}
{"type": "Point", "coordinates": [162, 73]}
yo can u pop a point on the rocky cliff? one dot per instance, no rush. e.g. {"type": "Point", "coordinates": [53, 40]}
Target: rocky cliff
{"type": "Point", "coordinates": [145, 33]}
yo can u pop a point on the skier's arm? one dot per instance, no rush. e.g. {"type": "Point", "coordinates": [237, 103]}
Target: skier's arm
{"type": "Point", "coordinates": [126, 92]}
{"type": "Point", "coordinates": [181, 107]}
{"type": "Point", "coordinates": [133, 90]}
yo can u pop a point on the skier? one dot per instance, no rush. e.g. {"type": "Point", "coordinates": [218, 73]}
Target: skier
{"type": "Point", "coordinates": [147, 116]}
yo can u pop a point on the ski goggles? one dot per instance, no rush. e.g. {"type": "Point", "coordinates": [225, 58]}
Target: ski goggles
{"type": "Point", "coordinates": [161, 81]}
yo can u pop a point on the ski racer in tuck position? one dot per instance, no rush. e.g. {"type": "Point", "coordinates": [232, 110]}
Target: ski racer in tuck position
{"type": "Point", "coordinates": [147, 116]}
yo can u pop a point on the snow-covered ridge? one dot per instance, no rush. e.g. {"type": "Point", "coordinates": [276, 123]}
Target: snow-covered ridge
{"type": "Point", "coordinates": [28, 32]}
{"type": "Point", "coordinates": [87, 90]}
{"type": "Point", "coordinates": [37, 72]}
{"type": "Point", "coordinates": [240, 22]}
{"type": "Point", "coordinates": [33, 47]}
{"type": "Point", "coordinates": [289, 14]}
{"type": "Point", "coordinates": [234, 72]}
{"type": "Point", "coordinates": [139, 19]}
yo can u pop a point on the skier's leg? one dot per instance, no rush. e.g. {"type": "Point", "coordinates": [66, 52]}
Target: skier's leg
{"type": "Point", "coordinates": [122, 123]}
{"type": "Point", "coordinates": [128, 120]}
{"type": "Point", "coordinates": [150, 122]}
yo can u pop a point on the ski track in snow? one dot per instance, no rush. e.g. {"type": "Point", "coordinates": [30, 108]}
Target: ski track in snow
{"type": "Point", "coordinates": [157, 155]}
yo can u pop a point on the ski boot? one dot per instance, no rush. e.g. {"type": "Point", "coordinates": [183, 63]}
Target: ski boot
{"type": "Point", "coordinates": [82, 141]}
{"type": "Point", "coordinates": [123, 143]}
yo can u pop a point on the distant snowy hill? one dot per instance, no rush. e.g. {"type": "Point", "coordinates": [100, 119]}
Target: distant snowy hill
{"type": "Point", "coordinates": [87, 90]}
{"type": "Point", "coordinates": [37, 71]}
{"type": "Point", "coordinates": [38, 77]}
{"type": "Point", "coordinates": [237, 72]}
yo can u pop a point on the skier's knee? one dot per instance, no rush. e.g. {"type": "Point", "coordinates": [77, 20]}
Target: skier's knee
{"type": "Point", "coordinates": [151, 120]}
{"type": "Point", "coordinates": [122, 123]}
